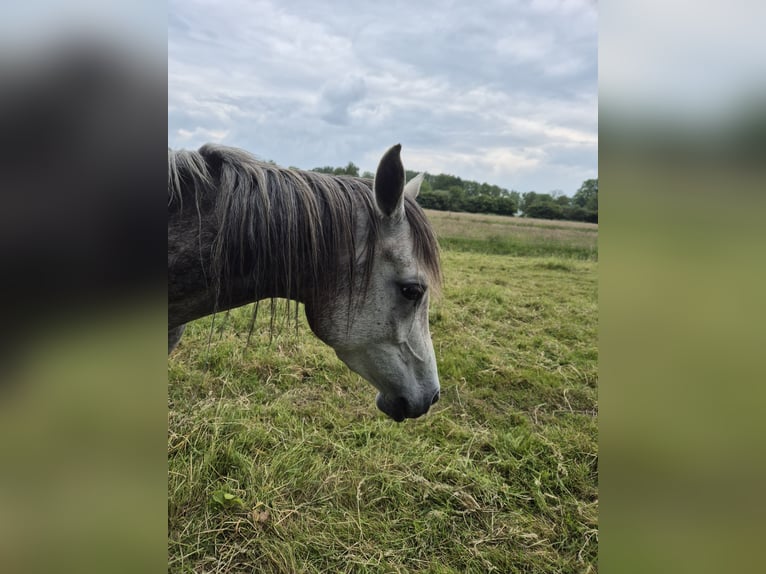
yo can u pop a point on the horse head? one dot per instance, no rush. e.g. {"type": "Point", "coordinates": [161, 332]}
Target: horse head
{"type": "Point", "coordinates": [382, 332]}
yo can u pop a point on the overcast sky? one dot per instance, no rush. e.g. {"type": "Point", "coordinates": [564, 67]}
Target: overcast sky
{"type": "Point", "coordinates": [497, 91]}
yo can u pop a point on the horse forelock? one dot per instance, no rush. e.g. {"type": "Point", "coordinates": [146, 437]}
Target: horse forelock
{"type": "Point", "coordinates": [298, 222]}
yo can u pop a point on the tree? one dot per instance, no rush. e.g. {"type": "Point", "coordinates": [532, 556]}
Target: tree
{"type": "Point", "coordinates": [506, 205]}
{"type": "Point", "coordinates": [576, 213]}
{"type": "Point", "coordinates": [480, 204]}
{"type": "Point", "coordinates": [530, 198]}
{"type": "Point", "coordinates": [350, 169]}
{"type": "Point", "coordinates": [456, 198]}
{"type": "Point", "coordinates": [433, 200]}
{"type": "Point", "coordinates": [587, 196]}
{"type": "Point", "coordinates": [545, 209]}
{"type": "Point", "coordinates": [445, 181]}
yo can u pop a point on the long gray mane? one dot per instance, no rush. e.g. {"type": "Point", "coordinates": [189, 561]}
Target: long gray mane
{"type": "Point", "coordinates": [301, 223]}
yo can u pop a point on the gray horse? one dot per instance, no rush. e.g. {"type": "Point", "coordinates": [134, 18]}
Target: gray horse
{"type": "Point", "coordinates": [359, 254]}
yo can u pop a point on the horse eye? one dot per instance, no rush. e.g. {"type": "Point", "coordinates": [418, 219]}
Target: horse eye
{"type": "Point", "coordinates": [413, 291]}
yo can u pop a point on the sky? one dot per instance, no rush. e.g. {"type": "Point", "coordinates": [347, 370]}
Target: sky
{"type": "Point", "coordinates": [497, 91]}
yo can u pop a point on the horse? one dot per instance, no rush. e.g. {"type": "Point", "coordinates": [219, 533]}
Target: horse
{"type": "Point", "coordinates": [359, 254]}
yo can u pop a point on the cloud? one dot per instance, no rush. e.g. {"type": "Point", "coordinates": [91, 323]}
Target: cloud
{"type": "Point", "coordinates": [503, 90]}
{"type": "Point", "coordinates": [196, 134]}
{"type": "Point", "coordinates": [338, 97]}
{"type": "Point", "coordinates": [496, 161]}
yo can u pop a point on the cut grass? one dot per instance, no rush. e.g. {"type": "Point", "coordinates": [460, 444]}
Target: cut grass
{"type": "Point", "coordinates": [496, 245]}
{"type": "Point", "coordinates": [501, 475]}
{"type": "Point", "coordinates": [498, 235]}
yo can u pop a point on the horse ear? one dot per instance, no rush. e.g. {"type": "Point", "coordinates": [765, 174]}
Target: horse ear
{"type": "Point", "coordinates": [412, 188]}
{"type": "Point", "coordinates": [389, 182]}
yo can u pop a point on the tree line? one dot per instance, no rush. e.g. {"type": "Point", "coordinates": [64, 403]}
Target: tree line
{"type": "Point", "coordinates": [446, 192]}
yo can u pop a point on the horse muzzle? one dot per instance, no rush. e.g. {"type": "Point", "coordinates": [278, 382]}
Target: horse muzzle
{"type": "Point", "coordinates": [400, 408]}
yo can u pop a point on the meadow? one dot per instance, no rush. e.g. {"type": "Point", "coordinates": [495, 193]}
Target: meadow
{"type": "Point", "coordinates": [279, 462]}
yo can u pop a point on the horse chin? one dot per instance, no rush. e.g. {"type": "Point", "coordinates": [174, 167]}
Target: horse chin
{"type": "Point", "coordinates": [395, 409]}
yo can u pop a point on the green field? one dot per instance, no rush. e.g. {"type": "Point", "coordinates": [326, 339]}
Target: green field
{"type": "Point", "coordinates": [280, 462]}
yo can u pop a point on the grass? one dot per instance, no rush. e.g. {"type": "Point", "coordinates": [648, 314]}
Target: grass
{"type": "Point", "coordinates": [501, 475]}
{"type": "Point", "coordinates": [498, 235]}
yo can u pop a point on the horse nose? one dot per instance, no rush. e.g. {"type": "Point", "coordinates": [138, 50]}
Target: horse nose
{"type": "Point", "coordinates": [435, 398]}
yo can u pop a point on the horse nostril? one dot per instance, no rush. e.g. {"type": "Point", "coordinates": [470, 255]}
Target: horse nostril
{"type": "Point", "coordinates": [435, 398]}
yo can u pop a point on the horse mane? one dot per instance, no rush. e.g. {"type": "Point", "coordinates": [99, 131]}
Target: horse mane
{"type": "Point", "coordinates": [300, 222]}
